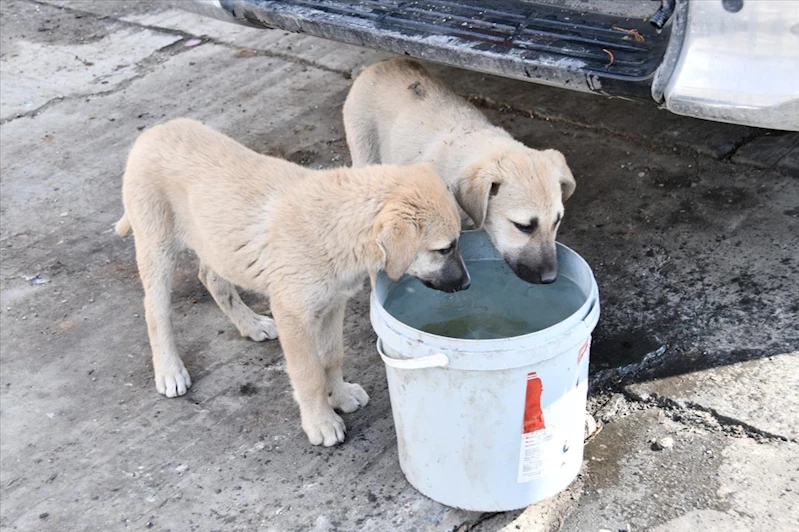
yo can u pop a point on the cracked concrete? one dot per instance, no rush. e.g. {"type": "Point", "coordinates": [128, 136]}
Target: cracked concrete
{"type": "Point", "coordinates": [341, 59]}
{"type": "Point", "coordinates": [705, 481]}
{"type": "Point", "coordinates": [770, 405]}
{"type": "Point", "coordinates": [695, 257]}
{"type": "Point", "coordinates": [115, 53]}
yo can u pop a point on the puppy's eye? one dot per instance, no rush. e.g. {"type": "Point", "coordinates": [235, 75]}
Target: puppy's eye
{"type": "Point", "coordinates": [529, 228]}
{"type": "Point", "coordinates": [447, 250]}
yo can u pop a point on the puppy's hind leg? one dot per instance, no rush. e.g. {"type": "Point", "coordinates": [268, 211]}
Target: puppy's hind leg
{"type": "Point", "coordinates": [343, 396]}
{"type": "Point", "coordinates": [257, 327]}
{"type": "Point", "coordinates": [155, 255]}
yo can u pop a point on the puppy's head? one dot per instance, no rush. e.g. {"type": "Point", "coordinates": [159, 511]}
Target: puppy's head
{"type": "Point", "coordinates": [517, 196]}
{"type": "Point", "coordinates": [417, 232]}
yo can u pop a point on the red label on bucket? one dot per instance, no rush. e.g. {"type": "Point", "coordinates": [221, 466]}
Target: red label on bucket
{"type": "Point", "coordinates": [533, 415]}
{"type": "Point", "coordinates": [583, 349]}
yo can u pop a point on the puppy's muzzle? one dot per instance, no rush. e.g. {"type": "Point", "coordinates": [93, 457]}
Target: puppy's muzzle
{"type": "Point", "coordinates": [452, 277]}
{"type": "Point", "coordinates": [539, 274]}
{"type": "Point", "coordinates": [537, 263]}
{"type": "Point", "coordinates": [535, 276]}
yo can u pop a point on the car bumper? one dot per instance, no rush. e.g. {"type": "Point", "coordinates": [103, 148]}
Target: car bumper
{"type": "Point", "coordinates": [738, 67]}
{"type": "Point", "coordinates": [721, 63]}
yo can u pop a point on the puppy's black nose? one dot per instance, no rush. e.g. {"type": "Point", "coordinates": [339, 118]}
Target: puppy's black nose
{"type": "Point", "coordinates": [466, 283]}
{"type": "Point", "coordinates": [535, 276]}
{"type": "Point", "coordinates": [549, 277]}
{"type": "Point", "coordinates": [526, 273]}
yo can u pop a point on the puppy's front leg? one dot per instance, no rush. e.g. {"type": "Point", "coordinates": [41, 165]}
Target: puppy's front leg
{"type": "Point", "coordinates": [300, 339]}
{"type": "Point", "coordinates": [343, 396]}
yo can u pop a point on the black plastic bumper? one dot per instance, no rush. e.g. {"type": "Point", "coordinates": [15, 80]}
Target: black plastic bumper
{"type": "Point", "coordinates": [513, 38]}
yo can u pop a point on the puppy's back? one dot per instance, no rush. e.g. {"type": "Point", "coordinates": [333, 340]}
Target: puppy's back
{"type": "Point", "coordinates": [186, 149]}
{"type": "Point", "coordinates": [396, 110]}
{"type": "Point", "coordinates": [205, 181]}
{"type": "Point", "coordinates": [184, 154]}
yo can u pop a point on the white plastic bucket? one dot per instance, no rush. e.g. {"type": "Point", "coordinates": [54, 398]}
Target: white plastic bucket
{"type": "Point", "coordinates": [490, 425]}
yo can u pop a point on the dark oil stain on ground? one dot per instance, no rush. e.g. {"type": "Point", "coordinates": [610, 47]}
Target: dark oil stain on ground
{"type": "Point", "coordinates": [248, 389]}
{"type": "Point", "coordinates": [620, 348]}
{"type": "Point", "coordinates": [303, 157]}
{"type": "Point", "coordinates": [724, 197]}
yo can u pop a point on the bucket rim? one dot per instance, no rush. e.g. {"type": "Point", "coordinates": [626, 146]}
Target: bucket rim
{"type": "Point", "coordinates": [381, 318]}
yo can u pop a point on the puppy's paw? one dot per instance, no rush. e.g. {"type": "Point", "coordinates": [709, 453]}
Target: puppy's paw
{"type": "Point", "coordinates": [259, 328]}
{"type": "Point", "coordinates": [348, 398]}
{"type": "Point", "coordinates": [173, 380]}
{"type": "Point", "coordinates": [325, 429]}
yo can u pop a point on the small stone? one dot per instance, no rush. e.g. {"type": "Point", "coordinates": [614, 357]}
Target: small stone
{"type": "Point", "coordinates": [611, 409]}
{"type": "Point", "coordinates": [182, 468]}
{"type": "Point", "coordinates": [663, 443]}
{"type": "Point", "coordinates": [44, 515]}
{"type": "Point", "coordinates": [590, 426]}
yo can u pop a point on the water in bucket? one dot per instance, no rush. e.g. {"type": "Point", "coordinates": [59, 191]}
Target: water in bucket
{"type": "Point", "coordinates": [497, 305]}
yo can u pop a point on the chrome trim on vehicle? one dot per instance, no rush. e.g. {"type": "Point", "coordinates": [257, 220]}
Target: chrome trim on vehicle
{"type": "Point", "coordinates": [741, 67]}
{"type": "Point", "coordinates": [666, 68]}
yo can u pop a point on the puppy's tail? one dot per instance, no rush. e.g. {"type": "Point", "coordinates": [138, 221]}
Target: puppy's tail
{"type": "Point", "coordinates": [123, 227]}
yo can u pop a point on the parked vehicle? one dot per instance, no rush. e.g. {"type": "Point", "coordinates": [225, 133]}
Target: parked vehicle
{"type": "Point", "coordinates": [731, 61]}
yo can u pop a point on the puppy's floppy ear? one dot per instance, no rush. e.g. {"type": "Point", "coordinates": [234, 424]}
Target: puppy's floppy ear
{"type": "Point", "coordinates": [567, 183]}
{"type": "Point", "coordinates": [399, 240]}
{"type": "Point", "coordinates": [474, 189]}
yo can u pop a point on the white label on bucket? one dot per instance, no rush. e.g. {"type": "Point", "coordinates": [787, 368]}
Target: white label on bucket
{"type": "Point", "coordinates": [534, 459]}
{"type": "Point", "coordinates": [552, 436]}
{"type": "Point", "coordinates": [547, 432]}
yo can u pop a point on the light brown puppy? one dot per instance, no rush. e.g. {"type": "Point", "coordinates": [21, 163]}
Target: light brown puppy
{"type": "Point", "coordinates": [306, 238]}
{"type": "Point", "coordinates": [397, 113]}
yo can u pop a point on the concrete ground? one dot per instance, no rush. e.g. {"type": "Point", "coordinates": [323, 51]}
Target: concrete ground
{"type": "Point", "coordinates": [691, 228]}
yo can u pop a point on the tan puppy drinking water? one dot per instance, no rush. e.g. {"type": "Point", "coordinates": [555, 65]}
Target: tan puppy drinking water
{"type": "Point", "coordinates": [397, 113]}
{"type": "Point", "coordinates": [306, 238]}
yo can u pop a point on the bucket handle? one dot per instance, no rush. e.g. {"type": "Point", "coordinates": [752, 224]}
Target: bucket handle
{"type": "Point", "coordinates": [592, 317]}
{"type": "Point", "coordinates": [438, 360]}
